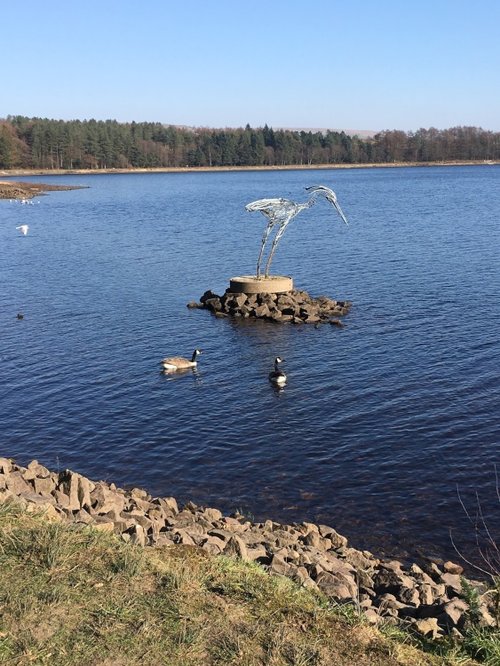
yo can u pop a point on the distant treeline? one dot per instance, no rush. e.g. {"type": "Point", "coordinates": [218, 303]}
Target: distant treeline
{"type": "Point", "coordinates": [40, 143]}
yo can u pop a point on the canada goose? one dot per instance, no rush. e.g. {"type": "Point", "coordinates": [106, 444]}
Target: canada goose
{"type": "Point", "coordinates": [180, 363]}
{"type": "Point", "coordinates": [23, 229]}
{"type": "Point", "coordinates": [19, 315]}
{"type": "Point", "coordinates": [277, 376]}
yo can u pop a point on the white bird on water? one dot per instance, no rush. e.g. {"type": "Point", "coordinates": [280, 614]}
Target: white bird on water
{"type": "Point", "coordinates": [23, 229]}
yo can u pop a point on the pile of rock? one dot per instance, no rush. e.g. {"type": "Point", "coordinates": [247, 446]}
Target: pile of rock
{"type": "Point", "coordinates": [429, 597]}
{"type": "Point", "coordinates": [296, 307]}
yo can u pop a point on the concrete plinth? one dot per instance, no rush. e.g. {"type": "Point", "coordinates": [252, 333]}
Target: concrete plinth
{"type": "Point", "coordinates": [250, 284]}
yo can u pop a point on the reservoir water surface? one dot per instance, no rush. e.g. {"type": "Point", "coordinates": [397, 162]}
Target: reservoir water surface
{"type": "Point", "coordinates": [381, 421]}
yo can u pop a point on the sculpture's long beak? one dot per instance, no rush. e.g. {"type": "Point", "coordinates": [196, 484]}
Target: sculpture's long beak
{"type": "Point", "coordinates": [339, 210]}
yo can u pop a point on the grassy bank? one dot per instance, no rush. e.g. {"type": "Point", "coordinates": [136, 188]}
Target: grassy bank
{"type": "Point", "coordinates": [72, 595]}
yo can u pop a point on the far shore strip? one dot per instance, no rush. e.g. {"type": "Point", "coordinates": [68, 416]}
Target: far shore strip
{"type": "Point", "coordinates": [24, 190]}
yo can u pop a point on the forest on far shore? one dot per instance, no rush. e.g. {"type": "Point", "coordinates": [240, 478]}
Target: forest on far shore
{"type": "Point", "coordinates": [41, 143]}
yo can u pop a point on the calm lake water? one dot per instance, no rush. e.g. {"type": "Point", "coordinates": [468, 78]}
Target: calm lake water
{"type": "Point", "coordinates": [380, 421]}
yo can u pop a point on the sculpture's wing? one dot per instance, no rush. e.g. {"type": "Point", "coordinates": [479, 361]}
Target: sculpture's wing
{"type": "Point", "coordinates": [276, 210]}
{"type": "Point", "coordinates": [265, 205]}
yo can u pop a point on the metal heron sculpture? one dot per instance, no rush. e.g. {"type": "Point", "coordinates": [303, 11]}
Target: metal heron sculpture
{"type": "Point", "coordinates": [280, 212]}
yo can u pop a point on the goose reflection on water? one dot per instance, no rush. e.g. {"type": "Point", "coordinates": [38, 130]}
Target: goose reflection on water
{"type": "Point", "coordinates": [194, 373]}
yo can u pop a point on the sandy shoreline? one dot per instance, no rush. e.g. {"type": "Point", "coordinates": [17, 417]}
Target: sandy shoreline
{"type": "Point", "coordinates": [306, 167]}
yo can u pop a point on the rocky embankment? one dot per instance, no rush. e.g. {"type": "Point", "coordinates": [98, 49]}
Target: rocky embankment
{"type": "Point", "coordinates": [296, 307]}
{"type": "Point", "coordinates": [430, 598]}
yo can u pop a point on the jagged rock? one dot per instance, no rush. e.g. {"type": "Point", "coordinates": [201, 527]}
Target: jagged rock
{"type": "Point", "coordinates": [391, 581]}
{"type": "Point", "coordinates": [139, 494]}
{"type": "Point", "coordinates": [213, 545]}
{"type": "Point", "coordinates": [358, 559]}
{"type": "Point", "coordinates": [103, 524]}
{"type": "Point", "coordinates": [182, 536]}
{"type": "Point", "coordinates": [486, 619]}
{"type": "Point", "coordinates": [258, 553]}
{"type": "Point", "coordinates": [38, 500]}
{"type": "Point", "coordinates": [338, 541]}
{"type": "Point", "coordinates": [426, 594]}
{"type": "Point", "coordinates": [453, 612]}
{"type": "Point", "coordinates": [372, 616]}
{"type": "Point", "coordinates": [83, 516]}
{"type": "Point", "coordinates": [419, 574]}
{"type": "Point", "coordinates": [50, 511]}
{"type": "Point", "coordinates": [452, 568]}
{"type": "Point", "coordinates": [44, 485]}
{"type": "Point", "coordinates": [5, 465]}
{"type": "Point", "coordinates": [214, 304]}
{"type": "Point", "coordinates": [139, 518]}
{"type": "Point", "coordinates": [428, 628]}
{"type": "Point", "coordinates": [168, 505]}
{"type": "Point", "coordinates": [261, 311]}
{"type": "Point", "coordinates": [14, 481]}
{"type": "Point", "coordinates": [6, 495]}
{"type": "Point", "coordinates": [85, 487]}
{"type": "Point", "coordinates": [68, 484]}
{"type": "Point", "coordinates": [409, 596]}
{"type": "Point", "coordinates": [337, 586]}
{"type": "Point", "coordinates": [207, 295]}
{"type": "Point", "coordinates": [281, 567]}
{"type": "Point", "coordinates": [62, 499]}
{"type": "Point", "coordinates": [433, 570]}
{"type": "Point", "coordinates": [452, 582]}
{"type": "Point", "coordinates": [236, 547]}
{"type": "Point", "coordinates": [234, 525]}
{"type": "Point", "coordinates": [104, 500]}
{"type": "Point", "coordinates": [393, 565]}
{"type": "Point", "coordinates": [138, 535]}
{"type": "Point", "coordinates": [35, 470]}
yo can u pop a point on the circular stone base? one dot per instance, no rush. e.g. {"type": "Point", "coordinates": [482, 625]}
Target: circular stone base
{"type": "Point", "coordinates": [250, 284]}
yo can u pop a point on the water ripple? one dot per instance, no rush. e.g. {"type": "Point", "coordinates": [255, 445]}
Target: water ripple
{"type": "Point", "coordinates": [380, 421]}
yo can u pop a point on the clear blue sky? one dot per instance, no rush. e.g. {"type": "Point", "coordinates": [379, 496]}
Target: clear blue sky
{"type": "Point", "coordinates": [352, 64]}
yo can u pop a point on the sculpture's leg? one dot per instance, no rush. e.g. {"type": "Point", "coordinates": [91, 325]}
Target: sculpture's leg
{"type": "Point", "coordinates": [267, 231]}
{"type": "Point", "coordinates": [276, 240]}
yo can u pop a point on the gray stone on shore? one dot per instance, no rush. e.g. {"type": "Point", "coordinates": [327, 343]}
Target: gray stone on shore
{"type": "Point", "coordinates": [316, 556]}
{"type": "Point", "coordinates": [295, 306]}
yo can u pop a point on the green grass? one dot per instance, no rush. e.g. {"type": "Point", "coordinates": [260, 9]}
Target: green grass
{"type": "Point", "coordinates": [76, 596]}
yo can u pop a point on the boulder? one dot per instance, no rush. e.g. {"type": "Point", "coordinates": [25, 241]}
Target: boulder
{"type": "Point", "coordinates": [14, 481]}
{"type": "Point", "coordinates": [338, 541]}
{"type": "Point", "coordinates": [453, 612]}
{"type": "Point", "coordinates": [35, 470]}
{"type": "Point", "coordinates": [236, 547]}
{"type": "Point", "coordinates": [5, 465]}
{"type": "Point", "coordinates": [453, 584]}
{"type": "Point", "coordinates": [452, 568]}
{"type": "Point", "coordinates": [103, 500]}
{"type": "Point", "coordinates": [337, 586]}
{"type": "Point", "coordinates": [44, 486]}
{"type": "Point", "coordinates": [428, 628]}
